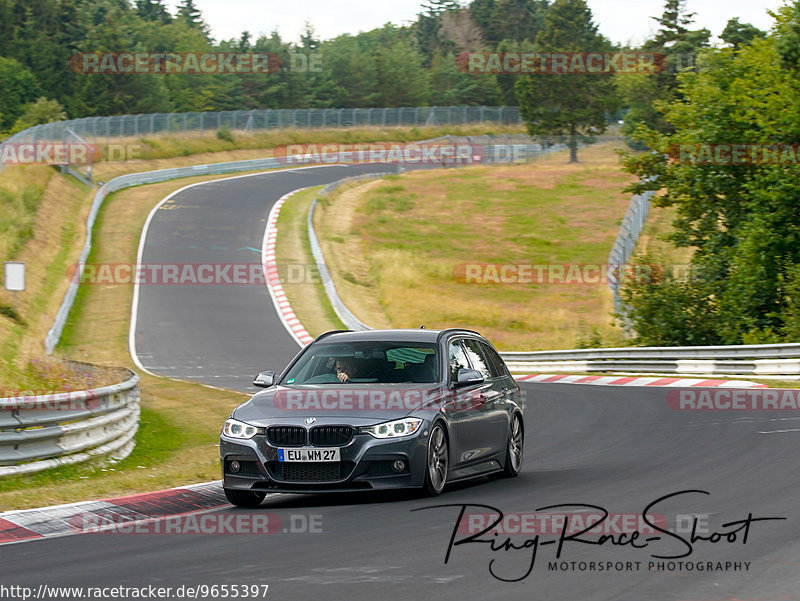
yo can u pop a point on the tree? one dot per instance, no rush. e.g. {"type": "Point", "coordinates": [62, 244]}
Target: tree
{"type": "Point", "coordinates": [428, 24]}
{"type": "Point", "coordinates": [788, 38]}
{"type": "Point", "coordinates": [243, 45]}
{"type": "Point", "coordinates": [308, 39]}
{"type": "Point", "coordinates": [517, 20]}
{"type": "Point", "coordinates": [509, 20]}
{"type": "Point", "coordinates": [668, 310]}
{"type": "Point", "coordinates": [679, 45]}
{"type": "Point", "coordinates": [153, 10]}
{"type": "Point", "coordinates": [115, 94]}
{"type": "Point", "coordinates": [481, 11]}
{"type": "Point", "coordinates": [7, 23]}
{"type": "Point", "coordinates": [459, 29]}
{"type": "Point", "coordinates": [571, 104]}
{"type": "Point", "coordinates": [351, 69]}
{"type": "Point", "coordinates": [19, 87]}
{"type": "Point", "coordinates": [738, 34]}
{"type": "Point", "coordinates": [674, 22]}
{"type": "Point", "coordinates": [191, 15]}
{"type": "Point", "coordinates": [42, 111]}
{"type": "Point", "coordinates": [741, 219]}
{"type": "Point", "coordinates": [402, 80]}
{"type": "Point", "coordinates": [451, 87]}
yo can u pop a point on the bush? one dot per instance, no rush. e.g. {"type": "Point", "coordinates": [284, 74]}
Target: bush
{"type": "Point", "coordinates": [11, 313]}
{"type": "Point", "coordinates": [225, 133]}
{"type": "Point", "coordinates": [670, 310]}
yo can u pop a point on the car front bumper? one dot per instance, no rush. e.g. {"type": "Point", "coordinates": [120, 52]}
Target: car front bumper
{"type": "Point", "coordinates": [366, 464]}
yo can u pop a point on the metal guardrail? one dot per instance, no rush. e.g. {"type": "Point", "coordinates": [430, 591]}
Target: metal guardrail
{"type": "Point", "coordinates": [759, 367]}
{"type": "Point", "coordinates": [40, 432]}
{"type": "Point", "coordinates": [745, 359]}
{"type": "Point", "coordinates": [743, 351]}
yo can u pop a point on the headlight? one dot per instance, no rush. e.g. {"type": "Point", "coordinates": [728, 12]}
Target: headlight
{"type": "Point", "coordinates": [236, 429]}
{"type": "Point", "coordinates": [395, 429]}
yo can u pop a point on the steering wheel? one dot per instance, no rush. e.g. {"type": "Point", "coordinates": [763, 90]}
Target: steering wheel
{"type": "Point", "coordinates": [323, 379]}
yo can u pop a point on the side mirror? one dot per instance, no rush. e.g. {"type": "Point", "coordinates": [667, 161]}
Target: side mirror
{"type": "Point", "coordinates": [468, 377]}
{"type": "Point", "coordinates": [264, 379]}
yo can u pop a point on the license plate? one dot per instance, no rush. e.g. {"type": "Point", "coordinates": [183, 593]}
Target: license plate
{"type": "Point", "coordinates": [304, 455]}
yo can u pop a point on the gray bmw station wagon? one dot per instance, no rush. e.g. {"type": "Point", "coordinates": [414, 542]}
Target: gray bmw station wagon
{"type": "Point", "coordinates": [376, 410]}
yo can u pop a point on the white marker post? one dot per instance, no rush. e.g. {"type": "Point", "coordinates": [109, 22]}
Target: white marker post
{"type": "Point", "coordinates": [15, 278]}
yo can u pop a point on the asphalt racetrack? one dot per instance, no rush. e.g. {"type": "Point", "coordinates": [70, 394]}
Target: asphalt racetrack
{"type": "Point", "coordinates": [615, 448]}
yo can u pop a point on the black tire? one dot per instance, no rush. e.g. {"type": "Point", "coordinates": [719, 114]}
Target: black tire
{"type": "Point", "coordinates": [514, 448]}
{"type": "Point", "coordinates": [437, 462]}
{"type": "Point", "coordinates": [244, 498]}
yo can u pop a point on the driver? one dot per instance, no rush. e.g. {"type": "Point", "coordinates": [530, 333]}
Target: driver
{"type": "Point", "coordinates": [346, 369]}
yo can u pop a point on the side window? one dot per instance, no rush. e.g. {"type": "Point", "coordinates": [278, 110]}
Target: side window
{"type": "Point", "coordinates": [476, 357]}
{"type": "Point", "coordinates": [456, 358]}
{"type": "Point", "coordinates": [496, 364]}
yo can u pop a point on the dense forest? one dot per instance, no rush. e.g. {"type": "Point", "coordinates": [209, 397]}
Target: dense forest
{"type": "Point", "coordinates": [741, 218]}
{"type": "Point", "coordinates": [411, 65]}
{"type": "Point", "coordinates": [389, 66]}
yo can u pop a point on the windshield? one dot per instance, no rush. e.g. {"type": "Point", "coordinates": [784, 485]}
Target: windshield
{"type": "Point", "coordinates": [368, 362]}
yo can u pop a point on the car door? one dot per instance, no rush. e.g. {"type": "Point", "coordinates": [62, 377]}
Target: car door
{"type": "Point", "coordinates": [463, 443]}
{"type": "Point", "coordinates": [509, 386]}
{"type": "Point", "coordinates": [470, 440]}
{"type": "Point", "coordinates": [493, 409]}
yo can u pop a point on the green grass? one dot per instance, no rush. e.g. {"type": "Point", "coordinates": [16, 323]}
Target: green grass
{"type": "Point", "coordinates": [19, 211]}
{"type": "Point", "coordinates": [411, 236]}
{"type": "Point", "coordinates": [308, 299]}
{"type": "Point", "coordinates": [164, 146]}
{"type": "Point", "coordinates": [21, 193]}
{"type": "Point", "coordinates": [39, 299]}
{"type": "Point", "coordinates": [19, 205]}
{"type": "Point", "coordinates": [70, 334]}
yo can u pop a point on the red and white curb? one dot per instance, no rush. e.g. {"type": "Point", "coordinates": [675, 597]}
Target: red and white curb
{"type": "Point", "coordinates": [635, 381]}
{"type": "Point", "coordinates": [274, 287]}
{"type": "Point", "coordinates": [63, 520]}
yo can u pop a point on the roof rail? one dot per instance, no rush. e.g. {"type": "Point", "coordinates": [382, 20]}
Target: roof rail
{"type": "Point", "coordinates": [325, 334]}
{"type": "Point", "coordinates": [446, 331]}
